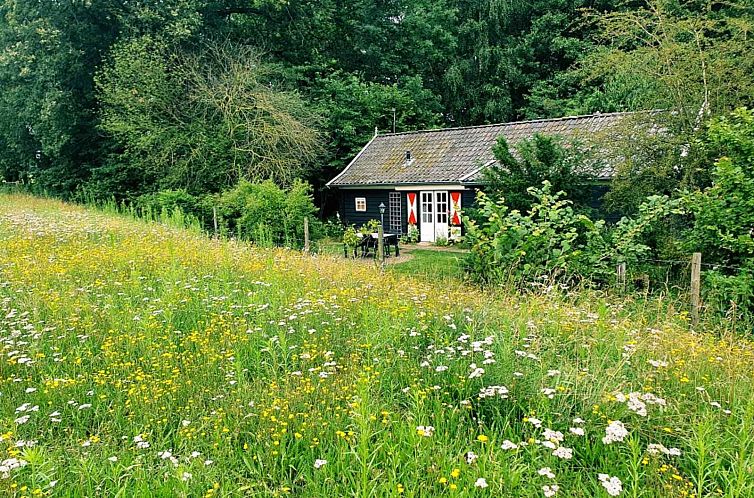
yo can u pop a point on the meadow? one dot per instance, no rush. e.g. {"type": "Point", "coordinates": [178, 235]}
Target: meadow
{"type": "Point", "coordinates": [140, 359]}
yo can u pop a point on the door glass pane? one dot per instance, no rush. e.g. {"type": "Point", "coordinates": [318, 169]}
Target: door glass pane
{"type": "Point", "coordinates": [442, 207]}
{"type": "Point", "coordinates": [426, 207]}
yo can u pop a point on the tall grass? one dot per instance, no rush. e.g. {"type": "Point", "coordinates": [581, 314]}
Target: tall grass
{"type": "Point", "coordinates": [145, 360]}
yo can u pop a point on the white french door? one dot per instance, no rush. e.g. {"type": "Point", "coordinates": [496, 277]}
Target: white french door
{"type": "Point", "coordinates": [434, 215]}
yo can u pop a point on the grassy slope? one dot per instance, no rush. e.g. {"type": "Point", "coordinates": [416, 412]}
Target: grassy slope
{"type": "Point", "coordinates": [247, 366]}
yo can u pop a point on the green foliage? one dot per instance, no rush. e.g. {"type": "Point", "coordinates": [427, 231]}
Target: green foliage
{"type": "Point", "coordinates": [694, 58]}
{"type": "Point", "coordinates": [640, 236]}
{"type": "Point", "coordinates": [267, 214]}
{"type": "Point", "coordinates": [172, 199]}
{"type": "Point", "coordinates": [370, 227]}
{"type": "Point", "coordinates": [412, 235]}
{"type": "Point", "coordinates": [723, 215]}
{"type": "Point", "coordinates": [204, 120]}
{"type": "Point", "coordinates": [541, 158]}
{"type": "Point", "coordinates": [350, 237]}
{"type": "Point", "coordinates": [724, 212]}
{"type": "Point", "coordinates": [550, 243]}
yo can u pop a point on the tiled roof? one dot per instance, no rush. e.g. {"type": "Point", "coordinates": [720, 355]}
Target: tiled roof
{"type": "Point", "coordinates": [454, 155]}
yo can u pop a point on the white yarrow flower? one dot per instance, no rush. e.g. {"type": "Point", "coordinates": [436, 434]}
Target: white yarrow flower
{"type": "Point", "coordinates": [612, 485]}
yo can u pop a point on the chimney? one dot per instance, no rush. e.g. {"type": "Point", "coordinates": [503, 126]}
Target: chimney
{"type": "Point", "coordinates": [408, 156]}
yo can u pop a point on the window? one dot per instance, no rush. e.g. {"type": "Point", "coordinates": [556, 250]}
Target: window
{"type": "Point", "coordinates": [426, 207]}
{"type": "Point", "coordinates": [441, 201]}
{"type": "Point", "coordinates": [361, 204]}
{"type": "Point", "coordinates": [394, 201]}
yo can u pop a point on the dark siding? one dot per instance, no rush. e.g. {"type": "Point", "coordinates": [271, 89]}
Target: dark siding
{"type": "Point", "coordinates": [374, 198]}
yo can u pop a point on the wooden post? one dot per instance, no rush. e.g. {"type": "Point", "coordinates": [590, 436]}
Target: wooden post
{"type": "Point", "coordinates": [381, 245]}
{"type": "Point", "coordinates": [214, 219]}
{"type": "Point", "coordinates": [306, 234]}
{"type": "Point", "coordinates": [696, 274]}
{"type": "Point", "coordinates": [621, 275]}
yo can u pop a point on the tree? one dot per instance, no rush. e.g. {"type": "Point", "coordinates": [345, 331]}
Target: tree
{"type": "Point", "coordinates": [541, 158]}
{"type": "Point", "coordinates": [204, 120]}
{"type": "Point", "coordinates": [692, 58]}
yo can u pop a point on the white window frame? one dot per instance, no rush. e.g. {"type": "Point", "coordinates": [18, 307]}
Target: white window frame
{"type": "Point", "coordinates": [360, 201]}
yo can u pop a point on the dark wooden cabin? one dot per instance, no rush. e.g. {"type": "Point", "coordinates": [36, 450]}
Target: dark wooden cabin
{"type": "Point", "coordinates": [426, 178]}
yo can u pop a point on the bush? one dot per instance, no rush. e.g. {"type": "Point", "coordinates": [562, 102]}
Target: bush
{"type": "Point", "coordinates": [551, 242]}
{"type": "Point", "coordinates": [169, 200]}
{"type": "Point", "coordinates": [537, 159]}
{"type": "Point", "coordinates": [268, 215]}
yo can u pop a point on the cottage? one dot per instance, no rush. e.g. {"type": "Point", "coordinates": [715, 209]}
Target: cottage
{"type": "Point", "coordinates": [426, 178]}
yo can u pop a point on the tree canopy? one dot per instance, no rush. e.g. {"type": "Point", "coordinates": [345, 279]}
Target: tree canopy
{"type": "Point", "coordinates": [122, 98]}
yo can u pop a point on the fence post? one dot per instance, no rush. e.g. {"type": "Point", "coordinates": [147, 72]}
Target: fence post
{"type": "Point", "coordinates": [306, 234]}
{"type": "Point", "coordinates": [696, 274]}
{"type": "Point", "coordinates": [214, 218]}
{"type": "Point", "coordinates": [621, 275]}
{"type": "Point", "coordinates": [381, 245]}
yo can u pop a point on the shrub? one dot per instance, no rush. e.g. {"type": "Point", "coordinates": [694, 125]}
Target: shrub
{"type": "Point", "coordinates": [537, 159]}
{"type": "Point", "coordinates": [550, 242]}
{"type": "Point", "coordinates": [269, 215]}
{"type": "Point", "coordinates": [169, 200]}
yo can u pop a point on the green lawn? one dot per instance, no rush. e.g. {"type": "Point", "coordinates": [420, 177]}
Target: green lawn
{"type": "Point", "coordinates": [431, 263]}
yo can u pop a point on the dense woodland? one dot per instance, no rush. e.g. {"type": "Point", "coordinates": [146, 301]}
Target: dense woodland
{"type": "Point", "coordinates": [123, 98]}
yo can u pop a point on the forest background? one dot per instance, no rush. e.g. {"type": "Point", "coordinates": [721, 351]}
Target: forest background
{"type": "Point", "coordinates": [115, 98]}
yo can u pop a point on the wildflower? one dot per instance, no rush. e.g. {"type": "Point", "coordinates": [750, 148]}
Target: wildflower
{"type": "Point", "coordinates": [546, 472]}
{"type": "Point", "coordinates": [455, 473]}
{"type": "Point", "coordinates": [22, 420]}
{"type": "Point", "coordinates": [491, 391]}
{"type": "Point", "coordinates": [615, 431]}
{"type": "Point", "coordinates": [441, 368]}
{"type": "Point", "coordinates": [563, 452]}
{"type": "Point", "coordinates": [576, 431]}
{"type": "Point", "coordinates": [553, 373]}
{"type": "Point", "coordinates": [551, 435]}
{"type": "Point", "coordinates": [482, 438]}
{"type": "Point", "coordinates": [509, 445]}
{"type": "Point", "coordinates": [534, 421]}
{"type": "Point", "coordinates": [578, 420]}
{"type": "Point", "coordinates": [113, 458]}
{"type": "Point", "coordinates": [10, 464]}
{"type": "Point", "coordinates": [612, 485]}
{"type": "Point", "coordinates": [654, 449]}
{"type": "Point", "coordinates": [548, 391]}
{"type": "Point", "coordinates": [481, 483]}
{"type": "Point", "coordinates": [319, 463]}
{"type": "Point", "coordinates": [470, 457]}
{"type": "Point", "coordinates": [186, 476]}
{"type": "Point", "coordinates": [425, 431]}
{"type": "Point", "coordinates": [476, 371]}
{"type": "Point", "coordinates": [550, 490]}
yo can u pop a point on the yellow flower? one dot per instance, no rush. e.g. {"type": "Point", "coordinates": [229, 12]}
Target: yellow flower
{"type": "Point", "coordinates": [482, 438]}
{"type": "Point", "coordinates": [455, 473]}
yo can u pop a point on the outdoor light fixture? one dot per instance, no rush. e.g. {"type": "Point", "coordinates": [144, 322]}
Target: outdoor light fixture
{"type": "Point", "coordinates": [382, 214]}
